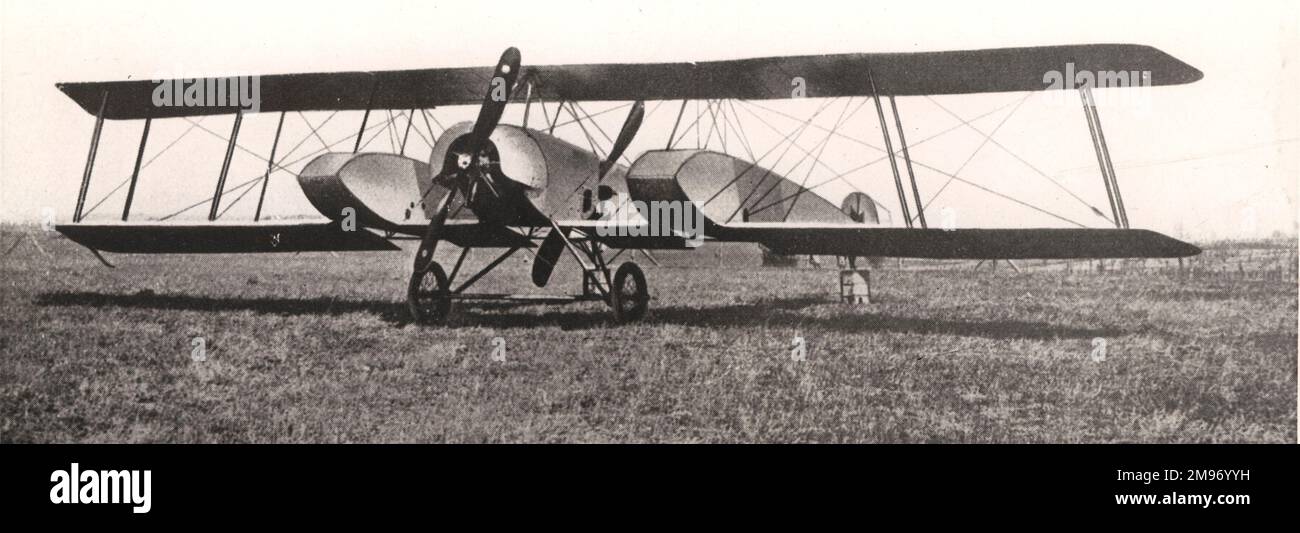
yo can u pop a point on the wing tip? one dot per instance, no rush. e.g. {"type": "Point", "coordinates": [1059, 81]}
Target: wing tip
{"type": "Point", "coordinates": [1170, 247]}
{"type": "Point", "coordinates": [1187, 249]}
{"type": "Point", "coordinates": [1183, 72]}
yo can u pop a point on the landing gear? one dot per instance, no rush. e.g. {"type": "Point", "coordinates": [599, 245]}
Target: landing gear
{"type": "Point", "coordinates": [428, 297]}
{"type": "Point", "coordinates": [430, 292]}
{"type": "Point", "coordinates": [628, 296]}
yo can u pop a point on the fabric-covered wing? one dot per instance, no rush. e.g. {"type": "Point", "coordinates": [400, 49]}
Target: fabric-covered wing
{"type": "Point", "coordinates": [159, 238]}
{"type": "Point", "coordinates": [902, 74]}
{"type": "Point", "coordinates": [470, 233]}
{"type": "Point", "coordinates": [614, 235]}
{"type": "Point", "coordinates": [959, 243]}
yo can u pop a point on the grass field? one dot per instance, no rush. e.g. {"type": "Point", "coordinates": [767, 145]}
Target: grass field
{"type": "Point", "coordinates": [316, 348]}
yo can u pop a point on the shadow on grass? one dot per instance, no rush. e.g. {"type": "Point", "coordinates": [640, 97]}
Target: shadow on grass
{"type": "Point", "coordinates": [776, 312]}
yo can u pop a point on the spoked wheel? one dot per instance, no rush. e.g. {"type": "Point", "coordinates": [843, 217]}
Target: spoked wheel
{"type": "Point", "coordinates": [628, 295]}
{"type": "Point", "coordinates": [428, 297]}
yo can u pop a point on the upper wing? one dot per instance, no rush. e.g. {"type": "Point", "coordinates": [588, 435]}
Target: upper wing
{"type": "Point", "coordinates": [902, 74]}
{"type": "Point", "coordinates": [842, 239]}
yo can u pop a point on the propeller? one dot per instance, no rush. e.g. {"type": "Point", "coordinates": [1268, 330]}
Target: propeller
{"type": "Point", "coordinates": [494, 102]}
{"type": "Point", "coordinates": [424, 257]}
{"type": "Point", "coordinates": [630, 127]}
{"type": "Point", "coordinates": [489, 115]}
{"type": "Point", "coordinates": [494, 105]}
{"type": "Point", "coordinates": [549, 253]}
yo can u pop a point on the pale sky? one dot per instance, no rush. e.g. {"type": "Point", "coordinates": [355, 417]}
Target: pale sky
{"type": "Point", "coordinates": [1217, 158]}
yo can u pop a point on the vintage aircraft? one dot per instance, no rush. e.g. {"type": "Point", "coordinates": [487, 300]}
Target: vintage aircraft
{"type": "Point", "coordinates": [487, 184]}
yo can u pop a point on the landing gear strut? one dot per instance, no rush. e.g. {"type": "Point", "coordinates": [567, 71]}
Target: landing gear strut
{"type": "Point", "coordinates": [430, 292]}
{"type": "Point", "coordinates": [625, 292]}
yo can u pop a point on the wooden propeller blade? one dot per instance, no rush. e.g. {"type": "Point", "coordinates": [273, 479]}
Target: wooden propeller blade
{"type": "Point", "coordinates": [498, 95]}
{"type": "Point", "coordinates": [630, 127]}
{"type": "Point", "coordinates": [429, 244]}
{"type": "Point", "coordinates": [548, 255]}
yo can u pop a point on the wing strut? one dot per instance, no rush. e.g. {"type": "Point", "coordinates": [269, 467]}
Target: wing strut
{"type": "Point", "coordinates": [225, 166]}
{"type": "Point", "coordinates": [270, 165]}
{"type": "Point", "coordinates": [1117, 210]}
{"type": "Point", "coordinates": [907, 158]}
{"type": "Point", "coordinates": [409, 120]}
{"type": "Point", "coordinates": [528, 101]}
{"type": "Point", "coordinates": [90, 158]}
{"type": "Point", "coordinates": [676, 123]}
{"type": "Point", "coordinates": [889, 149]}
{"type": "Point", "coordinates": [366, 117]}
{"type": "Point", "coordinates": [135, 174]}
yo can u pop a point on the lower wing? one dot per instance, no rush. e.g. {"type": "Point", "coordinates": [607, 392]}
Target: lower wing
{"type": "Point", "coordinates": [209, 237]}
{"type": "Point", "coordinates": [843, 239]}
{"type": "Point", "coordinates": [781, 238]}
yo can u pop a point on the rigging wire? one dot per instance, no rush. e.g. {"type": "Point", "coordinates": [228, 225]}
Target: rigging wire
{"type": "Point", "coordinates": [1008, 151]}
{"type": "Point", "coordinates": [142, 167]}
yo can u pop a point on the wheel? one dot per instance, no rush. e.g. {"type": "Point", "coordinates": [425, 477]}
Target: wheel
{"type": "Point", "coordinates": [428, 297]}
{"type": "Point", "coordinates": [627, 294]}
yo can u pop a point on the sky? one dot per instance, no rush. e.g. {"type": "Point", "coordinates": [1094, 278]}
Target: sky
{"type": "Point", "coordinates": [1214, 159]}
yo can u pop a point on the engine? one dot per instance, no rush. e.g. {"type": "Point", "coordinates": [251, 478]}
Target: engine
{"type": "Point", "coordinates": [540, 176]}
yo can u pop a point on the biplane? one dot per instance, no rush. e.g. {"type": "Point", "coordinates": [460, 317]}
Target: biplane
{"type": "Point", "coordinates": [491, 185]}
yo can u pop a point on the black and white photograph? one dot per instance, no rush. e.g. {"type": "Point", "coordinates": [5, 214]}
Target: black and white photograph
{"type": "Point", "coordinates": [581, 222]}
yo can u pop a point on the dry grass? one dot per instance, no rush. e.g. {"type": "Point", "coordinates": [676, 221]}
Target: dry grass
{"type": "Point", "coordinates": [315, 348]}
